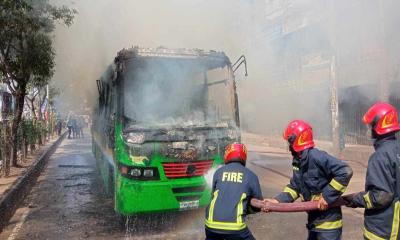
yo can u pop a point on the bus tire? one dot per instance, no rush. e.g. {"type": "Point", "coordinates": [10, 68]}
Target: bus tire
{"type": "Point", "coordinates": [123, 220]}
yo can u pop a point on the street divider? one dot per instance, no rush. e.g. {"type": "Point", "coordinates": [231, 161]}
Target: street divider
{"type": "Point", "coordinates": [14, 196]}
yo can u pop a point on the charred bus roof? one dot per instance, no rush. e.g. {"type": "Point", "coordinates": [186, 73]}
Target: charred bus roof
{"type": "Point", "coordinates": [209, 59]}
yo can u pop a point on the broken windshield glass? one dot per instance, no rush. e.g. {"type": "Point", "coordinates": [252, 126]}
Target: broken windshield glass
{"type": "Point", "coordinates": [161, 93]}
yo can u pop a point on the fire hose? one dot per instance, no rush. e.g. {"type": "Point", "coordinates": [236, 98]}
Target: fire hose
{"type": "Point", "coordinates": [296, 206]}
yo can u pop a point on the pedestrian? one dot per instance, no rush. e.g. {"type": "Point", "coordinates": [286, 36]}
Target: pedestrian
{"type": "Point", "coordinates": [59, 127]}
{"type": "Point", "coordinates": [81, 125]}
{"type": "Point", "coordinates": [70, 127]}
{"type": "Point", "coordinates": [233, 187]}
{"type": "Point", "coordinates": [74, 127]}
{"type": "Point", "coordinates": [381, 198]}
{"type": "Point", "coordinates": [317, 176]}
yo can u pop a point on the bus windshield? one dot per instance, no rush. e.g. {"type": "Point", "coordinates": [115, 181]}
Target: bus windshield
{"type": "Point", "coordinates": [177, 93]}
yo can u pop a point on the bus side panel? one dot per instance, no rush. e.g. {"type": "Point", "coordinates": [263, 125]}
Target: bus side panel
{"type": "Point", "coordinates": [105, 168]}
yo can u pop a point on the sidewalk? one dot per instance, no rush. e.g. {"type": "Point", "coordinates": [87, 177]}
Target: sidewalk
{"type": "Point", "coordinates": [14, 189]}
{"type": "Point", "coordinates": [7, 182]}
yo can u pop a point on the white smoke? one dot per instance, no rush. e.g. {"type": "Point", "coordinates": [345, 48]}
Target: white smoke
{"type": "Point", "coordinates": [285, 42]}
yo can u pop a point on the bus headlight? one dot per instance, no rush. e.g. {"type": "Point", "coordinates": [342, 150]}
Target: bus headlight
{"type": "Point", "coordinates": [135, 172]}
{"type": "Point", "coordinates": [135, 138]}
{"type": "Point", "coordinates": [148, 173]}
{"type": "Point", "coordinates": [139, 173]}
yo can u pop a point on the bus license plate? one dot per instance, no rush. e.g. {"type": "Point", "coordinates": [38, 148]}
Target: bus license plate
{"type": "Point", "coordinates": [189, 205]}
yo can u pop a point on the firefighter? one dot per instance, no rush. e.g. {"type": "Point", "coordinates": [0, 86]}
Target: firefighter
{"type": "Point", "coordinates": [316, 176]}
{"type": "Point", "coordinates": [381, 198]}
{"type": "Point", "coordinates": [233, 187]}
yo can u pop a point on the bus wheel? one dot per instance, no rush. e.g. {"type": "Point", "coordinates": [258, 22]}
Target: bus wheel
{"type": "Point", "coordinates": [123, 220]}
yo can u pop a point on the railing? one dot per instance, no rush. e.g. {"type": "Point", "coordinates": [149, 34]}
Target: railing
{"type": "Point", "coordinates": [352, 110]}
{"type": "Point", "coordinates": [30, 136]}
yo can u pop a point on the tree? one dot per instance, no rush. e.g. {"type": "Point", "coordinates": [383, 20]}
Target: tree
{"type": "Point", "coordinates": [36, 98]}
{"type": "Point", "coordinates": [26, 52]}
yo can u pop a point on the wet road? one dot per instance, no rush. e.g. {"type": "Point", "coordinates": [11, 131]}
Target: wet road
{"type": "Point", "coordinates": [68, 203]}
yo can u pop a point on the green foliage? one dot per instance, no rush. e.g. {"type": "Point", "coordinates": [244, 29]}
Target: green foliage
{"type": "Point", "coordinates": [30, 131]}
{"type": "Point", "coordinates": [26, 52]}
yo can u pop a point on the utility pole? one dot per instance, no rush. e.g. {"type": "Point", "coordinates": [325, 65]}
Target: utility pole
{"type": "Point", "coordinates": [334, 108]}
{"type": "Point", "coordinates": [334, 96]}
{"type": "Point", "coordinates": [384, 81]}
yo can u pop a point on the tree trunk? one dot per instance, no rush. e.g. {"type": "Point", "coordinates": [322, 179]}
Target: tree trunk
{"type": "Point", "coordinates": [33, 110]}
{"type": "Point", "coordinates": [25, 147]}
{"type": "Point", "coordinates": [4, 149]}
{"type": "Point", "coordinates": [20, 100]}
{"type": "Point", "coordinates": [40, 135]}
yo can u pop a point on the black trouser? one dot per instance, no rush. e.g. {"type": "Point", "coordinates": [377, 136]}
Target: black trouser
{"type": "Point", "coordinates": [244, 234]}
{"type": "Point", "coordinates": [335, 234]}
{"type": "Point", "coordinates": [69, 131]}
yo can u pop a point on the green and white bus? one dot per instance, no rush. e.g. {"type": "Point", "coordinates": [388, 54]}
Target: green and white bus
{"type": "Point", "coordinates": [163, 120]}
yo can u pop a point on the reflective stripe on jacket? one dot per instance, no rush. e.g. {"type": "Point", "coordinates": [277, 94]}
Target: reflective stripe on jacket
{"type": "Point", "coordinates": [233, 187]}
{"type": "Point", "coordinates": [317, 173]}
{"type": "Point", "coordinates": [381, 198]}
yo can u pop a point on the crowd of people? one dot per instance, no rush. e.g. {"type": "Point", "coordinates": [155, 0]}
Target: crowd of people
{"type": "Point", "coordinates": [75, 125]}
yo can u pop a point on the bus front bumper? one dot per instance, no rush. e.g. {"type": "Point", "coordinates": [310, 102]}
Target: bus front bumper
{"type": "Point", "coordinates": [133, 197]}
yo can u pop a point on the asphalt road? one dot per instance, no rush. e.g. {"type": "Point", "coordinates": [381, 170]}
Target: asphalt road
{"type": "Point", "coordinates": [68, 203]}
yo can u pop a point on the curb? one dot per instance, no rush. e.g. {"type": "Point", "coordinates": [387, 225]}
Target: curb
{"type": "Point", "coordinates": [14, 196]}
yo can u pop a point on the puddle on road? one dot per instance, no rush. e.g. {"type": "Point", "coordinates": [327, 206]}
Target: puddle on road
{"type": "Point", "coordinates": [76, 185]}
{"type": "Point", "coordinates": [76, 176]}
{"type": "Point", "coordinates": [175, 225]}
{"type": "Point", "coordinates": [74, 166]}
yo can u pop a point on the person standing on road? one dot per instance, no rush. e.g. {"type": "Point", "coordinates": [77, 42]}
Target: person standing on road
{"type": "Point", "coordinates": [233, 187]}
{"type": "Point", "coordinates": [59, 127]}
{"type": "Point", "coordinates": [81, 124]}
{"type": "Point", "coordinates": [74, 127]}
{"type": "Point", "coordinates": [317, 176]}
{"type": "Point", "coordinates": [381, 198]}
{"type": "Point", "coordinates": [70, 126]}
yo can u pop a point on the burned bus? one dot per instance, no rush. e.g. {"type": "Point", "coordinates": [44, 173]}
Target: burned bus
{"type": "Point", "coordinates": [163, 120]}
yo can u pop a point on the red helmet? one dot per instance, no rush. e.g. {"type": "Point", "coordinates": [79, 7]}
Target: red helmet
{"type": "Point", "coordinates": [299, 135]}
{"type": "Point", "coordinates": [235, 152]}
{"type": "Point", "coordinates": [383, 118]}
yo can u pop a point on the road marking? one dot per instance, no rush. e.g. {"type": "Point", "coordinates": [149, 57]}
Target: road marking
{"type": "Point", "coordinates": [18, 227]}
